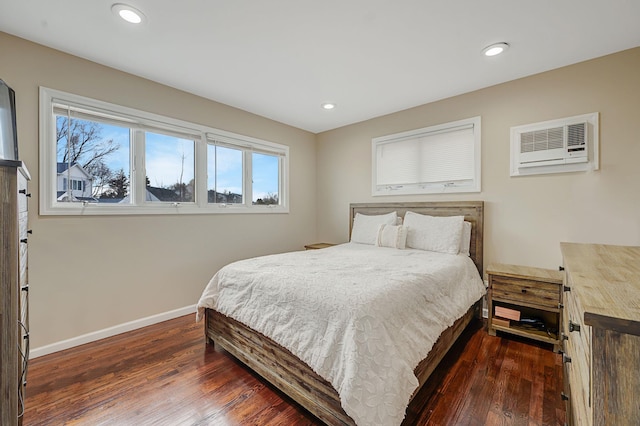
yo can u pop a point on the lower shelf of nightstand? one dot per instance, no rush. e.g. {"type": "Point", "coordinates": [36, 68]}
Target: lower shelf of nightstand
{"type": "Point", "coordinates": [538, 335]}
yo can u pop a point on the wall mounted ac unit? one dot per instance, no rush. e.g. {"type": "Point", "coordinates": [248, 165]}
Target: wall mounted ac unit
{"type": "Point", "coordinates": [553, 146]}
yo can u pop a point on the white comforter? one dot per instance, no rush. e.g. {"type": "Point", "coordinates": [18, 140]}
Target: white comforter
{"type": "Point", "coordinates": [362, 317]}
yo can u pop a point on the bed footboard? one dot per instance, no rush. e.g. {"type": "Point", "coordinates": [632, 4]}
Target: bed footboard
{"type": "Point", "coordinates": [294, 377]}
{"type": "Point", "coordinates": [279, 366]}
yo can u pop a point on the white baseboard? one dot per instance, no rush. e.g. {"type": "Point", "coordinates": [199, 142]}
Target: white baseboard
{"type": "Point", "coordinates": [111, 331]}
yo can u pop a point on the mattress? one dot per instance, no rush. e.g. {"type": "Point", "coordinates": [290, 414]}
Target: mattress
{"type": "Point", "coordinates": [362, 317]}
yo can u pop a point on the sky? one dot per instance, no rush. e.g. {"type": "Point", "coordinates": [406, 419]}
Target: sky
{"type": "Point", "coordinates": [167, 157]}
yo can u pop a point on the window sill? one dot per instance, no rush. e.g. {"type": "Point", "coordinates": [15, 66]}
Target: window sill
{"type": "Point", "coordinates": [163, 209]}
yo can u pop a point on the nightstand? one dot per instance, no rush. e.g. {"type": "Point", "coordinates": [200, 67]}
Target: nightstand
{"type": "Point", "coordinates": [520, 293]}
{"type": "Point", "coordinates": [317, 246]}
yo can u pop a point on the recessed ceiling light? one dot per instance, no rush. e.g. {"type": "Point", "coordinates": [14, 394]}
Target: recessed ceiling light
{"type": "Point", "coordinates": [128, 13]}
{"type": "Point", "coordinates": [495, 49]}
{"type": "Point", "coordinates": [328, 105]}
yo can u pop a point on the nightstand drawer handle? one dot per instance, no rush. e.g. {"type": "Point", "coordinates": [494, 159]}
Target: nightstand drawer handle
{"type": "Point", "coordinates": [524, 290]}
{"type": "Point", "coordinates": [564, 396]}
{"type": "Point", "coordinates": [566, 358]}
{"type": "Point", "coordinates": [574, 327]}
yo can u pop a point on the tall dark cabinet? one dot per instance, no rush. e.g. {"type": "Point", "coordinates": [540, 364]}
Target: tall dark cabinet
{"type": "Point", "coordinates": [14, 290]}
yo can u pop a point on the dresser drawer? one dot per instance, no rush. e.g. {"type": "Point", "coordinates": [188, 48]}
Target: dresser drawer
{"type": "Point", "coordinates": [526, 291]}
{"type": "Point", "coordinates": [580, 412]}
{"type": "Point", "coordinates": [578, 334]}
{"type": "Point", "coordinates": [22, 193]}
{"type": "Point", "coordinates": [578, 349]}
{"type": "Point", "coordinates": [580, 380]}
{"type": "Point", "coordinates": [23, 247]}
{"type": "Point", "coordinates": [22, 266]}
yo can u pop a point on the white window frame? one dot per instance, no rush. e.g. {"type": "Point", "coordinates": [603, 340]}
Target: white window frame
{"type": "Point", "coordinates": [139, 122]}
{"type": "Point", "coordinates": [444, 186]}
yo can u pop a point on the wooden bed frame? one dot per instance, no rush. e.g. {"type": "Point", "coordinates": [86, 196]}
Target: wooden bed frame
{"type": "Point", "coordinates": [295, 378]}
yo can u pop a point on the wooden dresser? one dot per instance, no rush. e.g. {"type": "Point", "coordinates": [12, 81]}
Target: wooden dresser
{"type": "Point", "coordinates": [601, 334]}
{"type": "Point", "coordinates": [14, 290]}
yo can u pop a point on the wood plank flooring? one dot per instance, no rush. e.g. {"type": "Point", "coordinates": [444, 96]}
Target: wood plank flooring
{"type": "Point", "coordinates": [164, 374]}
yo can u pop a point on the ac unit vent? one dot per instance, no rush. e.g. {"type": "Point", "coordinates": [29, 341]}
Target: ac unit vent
{"type": "Point", "coordinates": [565, 144]}
{"type": "Point", "coordinates": [541, 140]}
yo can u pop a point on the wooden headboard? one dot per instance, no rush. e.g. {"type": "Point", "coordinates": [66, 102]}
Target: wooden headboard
{"type": "Point", "coordinates": [473, 212]}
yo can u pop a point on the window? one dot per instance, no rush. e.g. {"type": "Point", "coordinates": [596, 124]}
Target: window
{"type": "Point", "coordinates": [225, 183]}
{"type": "Point", "coordinates": [437, 159]}
{"type": "Point", "coordinates": [169, 168]}
{"type": "Point", "coordinates": [265, 179]}
{"type": "Point", "coordinates": [89, 149]}
{"type": "Point", "coordinates": [100, 158]}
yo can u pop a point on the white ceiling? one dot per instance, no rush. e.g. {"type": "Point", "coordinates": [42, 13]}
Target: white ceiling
{"type": "Point", "coordinates": [282, 58]}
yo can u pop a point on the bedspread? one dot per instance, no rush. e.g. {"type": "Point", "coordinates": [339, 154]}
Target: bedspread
{"type": "Point", "coordinates": [362, 317]}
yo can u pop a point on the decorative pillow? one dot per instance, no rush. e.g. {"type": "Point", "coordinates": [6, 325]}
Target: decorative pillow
{"type": "Point", "coordinates": [394, 236]}
{"type": "Point", "coordinates": [365, 227]}
{"type": "Point", "coordinates": [433, 233]}
{"type": "Point", "coordinates": [465, 239]}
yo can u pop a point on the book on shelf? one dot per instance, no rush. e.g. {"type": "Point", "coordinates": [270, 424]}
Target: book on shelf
{"type": "Point", "coordinates": [502, 322]}
{"type": "Point", "coordinates": [507, 313]}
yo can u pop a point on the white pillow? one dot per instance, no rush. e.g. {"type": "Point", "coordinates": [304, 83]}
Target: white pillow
{"type": "Point", "coordinates": [441, 234]}
{"type": "Point", "coordinates": [365, 227]}
{"type": "Point", "coordinates": [465, 239]}
{"type": "Point", "coordinates": [394, 236]}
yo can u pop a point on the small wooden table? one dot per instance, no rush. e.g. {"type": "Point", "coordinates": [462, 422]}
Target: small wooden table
{"type": "Point", "coordinates": [531, 293]}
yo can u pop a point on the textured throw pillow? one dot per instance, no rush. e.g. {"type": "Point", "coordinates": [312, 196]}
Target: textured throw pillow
{"type": "Point", "coordinates": [394, 236]}
{"type": "Point", "coordinates": [465, 240]}
{"type": "Point", "coordinates": [365, 227]}
{"type": "Point", "coordinates": [433, 233]}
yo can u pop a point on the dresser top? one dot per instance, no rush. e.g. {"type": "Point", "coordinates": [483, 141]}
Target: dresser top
{"type": "Point", "coordinates": [525, 272]}
{"type": "Point", "coordinates": [606, 278]}
{"type": "Point", "coordinates": [16, 164]}
{"type": "Point", "coordinates": [10, 163]}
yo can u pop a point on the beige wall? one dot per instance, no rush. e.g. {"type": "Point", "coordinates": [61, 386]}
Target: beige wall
{"type": "Point", "coordinates": [525, 217]}
{"type": "Point", "coordinates": [90, 273]}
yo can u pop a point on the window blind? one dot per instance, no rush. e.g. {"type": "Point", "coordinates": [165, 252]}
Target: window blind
{"type": "Point", "coordinates": [427, 160]}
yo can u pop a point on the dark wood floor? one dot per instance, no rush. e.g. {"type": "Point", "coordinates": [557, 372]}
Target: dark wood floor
{"type": "Point", "coordinates": [166, 375]}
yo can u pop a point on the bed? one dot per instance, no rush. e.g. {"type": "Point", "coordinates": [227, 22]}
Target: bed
{"type": "Point", "coordinates": [295, 377]}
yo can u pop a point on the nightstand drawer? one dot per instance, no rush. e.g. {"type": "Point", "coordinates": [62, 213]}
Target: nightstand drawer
{"type": "Point", "coordinates": [527, 291]}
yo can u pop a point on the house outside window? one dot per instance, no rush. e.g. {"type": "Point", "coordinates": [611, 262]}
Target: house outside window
{"type": "Point", "coordinates": [79, 190]}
